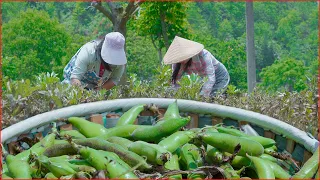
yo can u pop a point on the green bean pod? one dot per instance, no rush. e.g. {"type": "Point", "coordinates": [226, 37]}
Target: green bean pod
{"type": "Point", "coordinates": [165, 155]}
{"type": "Point", "coordinates": [271, 149]}
{"type": "Point", "coordinates": [50, 176]}
{"type": "Point", "coordinates": [64, 158]}
{"type": "Point", "coordinates": [240, 161]}
{"type": "Point", "coordinates": [120, 141]}
{"type": "Point", "coordinates": [173, 164]}
{"type": "Point", "coordinates": [153, 154]}
{"type": "Point", "coordinates": [98, 160]}
{"type": "Point", "coordinates": [79, 162]}
{"type": "Point", "coordinates": [124, 131]}
{"type": "Point", "coordinates": [190, 156]}
{"type": "Point", "coordinates": [209, 129]}
{"type": "Point", "coordinates": [73, 133]}
{"type": "Point", "coordinates": [161, 129]}
{"type": "Point", "coordinates": [214, 155]}
{"type": "Point", "coordinates": [18, 168]}
{"type": "Point", "coordinates": [190, 159]}
{"type": "Point", "coordinates": [116, 170]}
{"type": "Point", "coordinates": [231, 131]}
{"type": "Point", "coordinates": [127, 156]}
{"type": "Point", "coordinates": [263, 170]}
{"type": "Point", "coordinates": [114, 157]}
{"type": "Point", "coordinates": [60, 141]}
{"type": "Point", "coordinates": [82, 168]}
{"type": "Point", "coordinates": [270, 158]}
{"type": "Point", "coordinates": [58, 169]}
{"type": "Point", "coordinates": [227, 142]}
{"type": "Point", "coordinates": [265, 142]}
{"type": "Point", "coordinates": [278, 171]}
{"type": "Point", "coordinates": [93, 156]}
{"type": "Point", "coordinates": [59, 150]}
{"type": "Point", "coordinates": [131, 115]}
{"type": "Point", "coordinates": [177, 139]}
{"type": "Point", "coordinates": [87, 128]}
{"type": "Point", "coordinates": [172, 111]}
{"type": "Point", "coordinates": [309, 168]}
{"type": "Point", "coordinates": [39, 147]}
{"type": "Point", "coordinates": [229, 172]}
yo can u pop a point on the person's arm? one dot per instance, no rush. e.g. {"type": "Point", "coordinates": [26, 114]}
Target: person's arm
{"type": "Point", "coordinates": [114, 78]}
{"type": "Point", "coordinates": [81, 65]}
{"type": "Point", "coordinates": [210, 71]}
{"type": "Point", "coordinates": [108, 84]}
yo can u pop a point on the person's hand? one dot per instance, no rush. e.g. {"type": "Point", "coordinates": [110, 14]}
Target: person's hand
{"type": "Point", "coordinates": [75, 82]}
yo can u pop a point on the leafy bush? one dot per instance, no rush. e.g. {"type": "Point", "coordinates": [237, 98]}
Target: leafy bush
{"type": "Point", "coordinates": [287, 73]}
{"type": "Point", "coordinates": [23, 99]}
{"type": "Point", "coordinates": [33, 43]}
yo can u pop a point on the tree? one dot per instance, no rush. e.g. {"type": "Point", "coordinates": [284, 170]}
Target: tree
{"type": "Point", "coordinates": [220, 15]}
{"type": "Point", "coordinates": [11, 9]}
{"type": "Point", "coordinates": [33, 43]}
{"type": "Point", "coordinates": [162, 21]}
{"type": "Point", "coordinates": [117, 14]}
{"type": "Point", "coordinates": [287, 74]}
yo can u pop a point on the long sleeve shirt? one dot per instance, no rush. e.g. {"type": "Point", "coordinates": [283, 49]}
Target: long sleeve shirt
{"type": "Point", "coordinates": [87, 59]}
{"type": "Point", "coordinates": [204, 64]}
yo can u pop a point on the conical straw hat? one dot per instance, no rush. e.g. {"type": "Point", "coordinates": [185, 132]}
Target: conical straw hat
{"type": "Point", "coordinates": [181, 49]}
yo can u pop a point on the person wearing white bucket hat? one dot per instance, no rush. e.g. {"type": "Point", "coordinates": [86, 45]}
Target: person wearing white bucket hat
{"type": "Point", "coordinates": [98, 64]}
{"type": "Point", "coordinates": [189, 57]}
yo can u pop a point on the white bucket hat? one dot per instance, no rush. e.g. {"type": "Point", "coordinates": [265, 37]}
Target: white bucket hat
{"type": "Point", "coordinates": [181, 49]}
{"type": "Point", "coordinates": [112, 51]}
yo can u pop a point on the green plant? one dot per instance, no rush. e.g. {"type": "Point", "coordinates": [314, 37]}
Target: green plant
{"type": "Point", "coordinates": [287, 73]}
{"type": "Point", "coordinates": [191, 84]}
{"type": "Point", "coordinates": [25, 98]}
{"type": "Point", "coordinates": [33, 43]}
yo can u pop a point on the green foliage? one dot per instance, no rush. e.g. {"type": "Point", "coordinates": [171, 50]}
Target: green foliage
{"type": "Point", "coordinates": [142, 60]}
{"type": "Point", "coordinates": [191, 84]}
{"type": "Point", "coordinates": [288, 73]}
{"type": "Point", "coordinates": [149, 21]}
{"type": "Point", "coordinates": [23, 99]}
{"type": "Point", "coordinates": [282, 30]}
{"type": "Point", "coordinates": [226, 19]}
{"type": "Point", "coordinates": [11, 10]}
{"type": "Point", "coordinates": [33, 43]}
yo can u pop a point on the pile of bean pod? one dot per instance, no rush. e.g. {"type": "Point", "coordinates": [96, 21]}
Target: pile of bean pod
{"type": "Point", "coordinates": [163, 150]}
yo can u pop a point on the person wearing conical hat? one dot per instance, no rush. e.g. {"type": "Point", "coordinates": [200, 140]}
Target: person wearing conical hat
{"type": "Point", "coordinates": [189, 57]}
{"type": "Point", "coordinates": [99, 64]}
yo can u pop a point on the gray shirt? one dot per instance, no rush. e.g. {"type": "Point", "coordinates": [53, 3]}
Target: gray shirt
{"type": "Point", "coordinates": [89, 60]}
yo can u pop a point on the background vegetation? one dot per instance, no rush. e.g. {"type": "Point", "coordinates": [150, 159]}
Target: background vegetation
{"type": "Point", "coordinates": [42, 37]}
